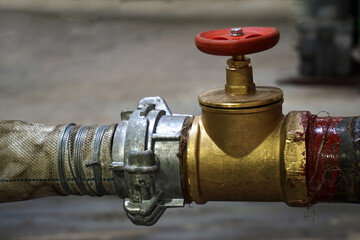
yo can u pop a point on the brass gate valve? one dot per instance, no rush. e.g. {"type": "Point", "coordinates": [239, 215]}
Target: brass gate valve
{"type": "Point", "coordinates": [240, 109]}
{"type": "Point", "coordinates": [234, 146]}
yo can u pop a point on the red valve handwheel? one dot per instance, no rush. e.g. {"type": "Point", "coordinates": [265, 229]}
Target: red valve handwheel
{"type": "Point", "coordinates": [221, 42]}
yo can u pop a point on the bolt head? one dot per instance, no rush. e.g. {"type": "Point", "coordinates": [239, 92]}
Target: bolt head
{"type": "Point", "coordinates": [236, 32]}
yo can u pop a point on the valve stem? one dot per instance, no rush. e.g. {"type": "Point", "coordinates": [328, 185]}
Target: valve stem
{"type": "Point", "coordinates": [239, 78]}
{"type": "Point", "coordinates": [238, 58]}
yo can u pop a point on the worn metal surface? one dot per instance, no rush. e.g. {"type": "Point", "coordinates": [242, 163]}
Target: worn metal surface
{"type": "Point", "coordinates": [146, 163]}
{"type": "Point", "coordinates": [294, 158]}
{"type": "Point", "coordinates": [333, 159]}
{"type": "Point", "coordinates": [348, 181]}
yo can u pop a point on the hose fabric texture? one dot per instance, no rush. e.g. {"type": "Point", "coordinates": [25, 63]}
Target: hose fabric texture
{"type": "Point", "coordinates": [38, 160]}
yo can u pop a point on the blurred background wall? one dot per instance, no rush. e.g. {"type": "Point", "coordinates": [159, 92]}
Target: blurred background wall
{"type": "Point", "coordinates": [84, 61]}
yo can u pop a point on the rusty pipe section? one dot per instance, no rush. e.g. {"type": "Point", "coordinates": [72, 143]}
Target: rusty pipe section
{"type": "Point", "coordinates": [333, 158]}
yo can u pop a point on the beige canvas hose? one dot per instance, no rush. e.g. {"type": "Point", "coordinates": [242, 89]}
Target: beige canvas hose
{"type": "Point", "coordinates": [37, 160]}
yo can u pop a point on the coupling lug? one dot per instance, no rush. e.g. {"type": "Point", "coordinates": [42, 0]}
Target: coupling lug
{"type": "Point", "coordinates": [117, 166]}
{"type": "Point", "coordinates": [125, 115]}
{"type": "Point", "coordinates": [159, 103]}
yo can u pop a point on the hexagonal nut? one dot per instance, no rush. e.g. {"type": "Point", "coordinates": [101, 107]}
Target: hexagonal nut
{"type": "Point", "coordinates": [238, 63]}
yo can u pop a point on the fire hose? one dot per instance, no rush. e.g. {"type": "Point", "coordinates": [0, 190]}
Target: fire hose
{"type": "Point", "coordinates": [242, 147]}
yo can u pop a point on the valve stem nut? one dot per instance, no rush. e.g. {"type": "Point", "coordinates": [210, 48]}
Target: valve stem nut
{"type": "Point", "coordinates": [235, 32]}
{"type": "Point", "coordinates": [238, 63]}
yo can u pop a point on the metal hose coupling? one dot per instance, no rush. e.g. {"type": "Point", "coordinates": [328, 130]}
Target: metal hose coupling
{"type": "Point", "coordinates": [145, 160]}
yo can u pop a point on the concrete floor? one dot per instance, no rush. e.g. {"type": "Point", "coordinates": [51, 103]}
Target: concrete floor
{"type": "Point", "coordinates": [57, 68]}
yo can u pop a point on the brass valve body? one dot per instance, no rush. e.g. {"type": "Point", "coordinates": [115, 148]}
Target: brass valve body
{"type": "Point", "coordinates": [242, 148]}
{"type": "Point", "coordinates": [265, 165]}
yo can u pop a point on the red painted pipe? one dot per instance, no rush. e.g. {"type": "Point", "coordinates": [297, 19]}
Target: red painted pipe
{"type": "Point", "coordinates": [333, 158]}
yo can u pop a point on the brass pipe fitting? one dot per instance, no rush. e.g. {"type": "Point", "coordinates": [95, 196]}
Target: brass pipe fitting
{"type": "Point", "coordinates": [247, 157]}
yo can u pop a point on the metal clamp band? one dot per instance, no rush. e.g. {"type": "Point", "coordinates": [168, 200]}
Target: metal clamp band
{"type": "Point", "coordinates": [63, 150]}
{"type": "Point", "coordinates": [95, 164]}
{"type": "Point", "coordinates": [80, 178]}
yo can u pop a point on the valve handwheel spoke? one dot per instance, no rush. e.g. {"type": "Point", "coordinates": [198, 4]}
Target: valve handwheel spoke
{"type": "Point", "coordinates": [237, 41]}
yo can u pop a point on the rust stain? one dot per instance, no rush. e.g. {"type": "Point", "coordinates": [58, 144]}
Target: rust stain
{"type": "Point", "coordinates": [299, 137]}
